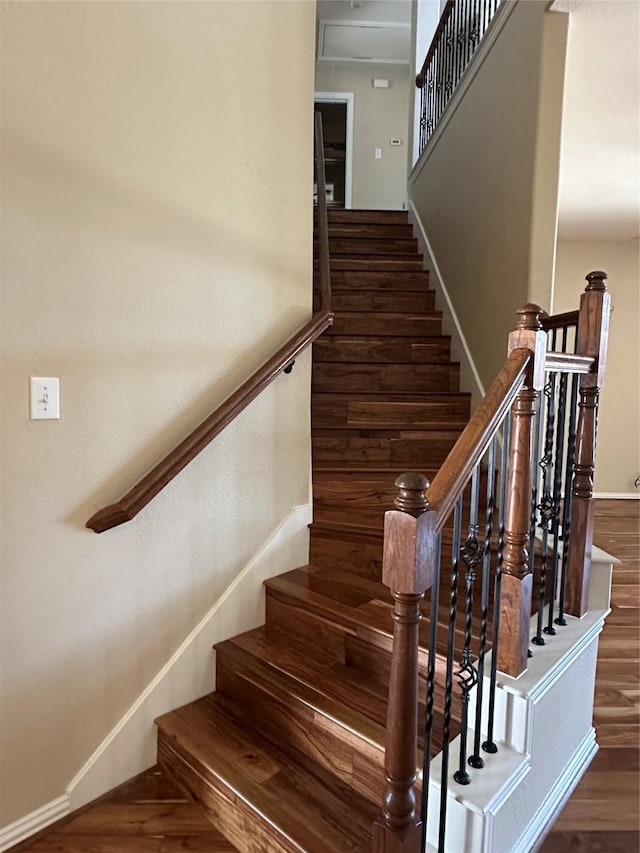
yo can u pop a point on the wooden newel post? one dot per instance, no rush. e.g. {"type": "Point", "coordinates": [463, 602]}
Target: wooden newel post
{"type": "Point", "coordinates": [399, 829]}
{"type": "Point", "coordinates": [517, 580]}
{"type": "Point", "coordinates": [592, 337]}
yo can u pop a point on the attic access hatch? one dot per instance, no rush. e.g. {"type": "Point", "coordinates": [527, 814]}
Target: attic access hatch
{"type": "Point", "coordinates": [364, 41]}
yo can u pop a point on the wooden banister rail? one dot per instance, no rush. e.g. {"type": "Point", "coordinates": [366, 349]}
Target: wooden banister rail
{"type": "Point", "coordinates": [453, 476]}
{"type": "Point", "coordinates": [435, 41]}
{"type": "Point", "coordinates": [559, 321]}
{"type": "Point", "coordinates": [148, 487]}
{"type": "Point", "coordinates": [412, 534]}
{"type": "Point", "coordinates": [529, 400]}
{"type": "Point", "coordinates": [324, 269]}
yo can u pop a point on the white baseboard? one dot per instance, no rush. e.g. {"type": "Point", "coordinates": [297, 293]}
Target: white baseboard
{"type": "Point", "coordinates": [36, 821]}
{"type": "Point", "coordinates": [614, 496]}
{"type": "Point", "coordinates": [537, 829]}
{"type": "Point", "coordinates": [130, 748]}
{"type": "Point", "coordinates": [470, 378]}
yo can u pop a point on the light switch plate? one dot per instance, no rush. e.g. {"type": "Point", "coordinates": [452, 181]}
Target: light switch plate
{"type": "Point", "coordinates": [378, 153]}
{"type": "Point", "coordinates": [45, 398]}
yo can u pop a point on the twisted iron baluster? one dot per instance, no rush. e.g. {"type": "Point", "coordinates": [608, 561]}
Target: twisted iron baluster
{"type": "Point", "coordinates": [489, 744]}
{"type": "Point", "coordinates": [431, 680]}
{"type": "Point", "coordinates": [467, 673]}
{"type": "Point", "coordinates": [476, 760]}
{"type": "Point", "coordinates": [448, 687]}
{"type": "Point", "coordinates": [546, 505]}
{"type": "Point", "coordinates": [557, 489]}
{"type": "Point", "coordinates": [423, 115]}
{"type": "Point", "coordinates": [431, 90]}
{"type": "Point", "coordinates": [535, 460]}
{"type": "Point", "coordinates": [566, 517]}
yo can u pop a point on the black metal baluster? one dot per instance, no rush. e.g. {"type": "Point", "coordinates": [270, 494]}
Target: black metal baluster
{"type": "Point", "coordinates": [467, 673]}
{"type": "Point", "coordinates": [430, 100]}
{"type": "Point", "coordinates": [489, 744]}
{"type": "Point", "coordinates": [467, 50]}
{"type": "Point", "coordinates": [475, 760]}
{"type": "Point", "coordinates": [449, 47]}
{"type": "Point", "coordinates": [568, 476]}
{"type": "Point", "coordinates": [474, 35]}
{"type": "Point", "coordinates": [535, 479]}
{"type": "Point", "coordinates": [561, 415]}
{"type": "Point", "coordinates": [431, 681]}
{"type": "Point", "coordinates": [448, 687]}
{"type": "Point", "coordinates": [422, 124]}
{"type": "Point", "coordinates": [545, 507]}
{"type": "Point", "coordinates": [460, 39]}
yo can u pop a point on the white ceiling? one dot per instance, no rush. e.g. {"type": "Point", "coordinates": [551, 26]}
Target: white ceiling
{"type": "Point", "coordinates": [600, 159]}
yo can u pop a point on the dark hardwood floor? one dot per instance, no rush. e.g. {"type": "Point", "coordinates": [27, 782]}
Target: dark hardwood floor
{"type": "Point", "coordinates": [149, 814]}
{"type": "Point", "coordinates": [602, 816]}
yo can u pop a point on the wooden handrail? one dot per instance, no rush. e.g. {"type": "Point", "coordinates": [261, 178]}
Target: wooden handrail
{"type": "Point", "coordinates": [442, 23]}
{"type": "Point", "coordinates": [323, 224]}
{"type": "Point", "coordinates": [148, 487]}
{"type": "Point", "coordinates": [457, 468]}
{"type": "Point", "coordinates": [559, 321]}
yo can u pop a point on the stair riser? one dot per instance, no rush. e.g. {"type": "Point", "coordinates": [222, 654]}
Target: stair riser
{"type": "Point", "coordinates": [328, 551]}
{"type": "Point", "coordinates": [368, 651]}
{"type": "Point", "coordinates": [234, 817]}
{"type": "Point", "coordinates": [356, 323]}
{"type": "Point", "coordinates": [371, 248]}
{"type": "Point", "coordinates": [385, 351]}
{"type": "Point", "coordinates": [418, 303]}
{"type": "Point", "coordinates": [329, 410]}
{"type": "Point", "coordinates": [364, 216]}
{"type": "Point", "coordinates": [430, 452]}
{"type": "Point", "coordinates": [353, 492]}
{"type": "Point", "coordinates": [301, 731]}
{"type": "Point", "coordinates": [394, 280]}
{"type": "Point", "coordinates": [370, 230]}
{"type": "Point", "coordinates": [394, 378]}
{"type": "Point", "coordinates": [381, 263]}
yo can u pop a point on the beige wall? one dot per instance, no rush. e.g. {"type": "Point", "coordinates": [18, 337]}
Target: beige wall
{"type": "Point", "coordinates": [155, 251]}
{"type": "Point", "coordinates": [486, 190]}
{"type": "Point", "coordinates": [618, 457]}
{"type": "Point", "coordinates": [379, 115]}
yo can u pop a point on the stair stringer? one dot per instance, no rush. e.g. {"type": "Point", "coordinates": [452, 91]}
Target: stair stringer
{"type": "Point", "coordinates": [543, 728]}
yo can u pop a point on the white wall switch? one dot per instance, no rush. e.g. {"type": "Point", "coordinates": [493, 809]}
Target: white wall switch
{"type": "Point", "coordinates": [45, 398]}
{"type": "Point", "coordinates": [380, 84]}
{"type": "Point", "coordinates": [378, 153]}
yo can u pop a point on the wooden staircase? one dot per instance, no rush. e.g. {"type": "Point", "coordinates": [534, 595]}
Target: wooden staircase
{"type": "Point", "coordinates": [288, 754]}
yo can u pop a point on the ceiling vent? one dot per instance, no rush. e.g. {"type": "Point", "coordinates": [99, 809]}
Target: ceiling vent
{"type": "Point", "coordinates": [364, 41]}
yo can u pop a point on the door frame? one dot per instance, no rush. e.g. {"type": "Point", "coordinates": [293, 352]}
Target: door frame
{"type": "Point", "coordinates": [347, 98]}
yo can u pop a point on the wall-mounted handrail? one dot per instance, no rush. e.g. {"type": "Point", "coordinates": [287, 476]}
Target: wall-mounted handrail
{"type": "Point", "coordinates": [148, 487]}
{"type": "Point", "coordinates": [324, 270]}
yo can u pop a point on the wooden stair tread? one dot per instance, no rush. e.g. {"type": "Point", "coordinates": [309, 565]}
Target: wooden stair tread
{"type": "Point", "coordinates": [300, 808]}
{"type": "Point", "coordinates": [268, 663]}
{"type": "Point", "coordinates": [363, 606]}
{"type": "Point", "coordinates": [345, 690]}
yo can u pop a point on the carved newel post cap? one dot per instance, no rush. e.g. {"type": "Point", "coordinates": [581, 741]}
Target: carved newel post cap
{"type": "Point", "coordinates": [529, 317]}
{"type": "Point", "coordinates": [412, 498]}
{"type": "Point", "coordinates": [596, 281]}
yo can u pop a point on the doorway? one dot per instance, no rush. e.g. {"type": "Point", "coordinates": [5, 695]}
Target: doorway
{"type": "Point", "coordinates": [337, 124]}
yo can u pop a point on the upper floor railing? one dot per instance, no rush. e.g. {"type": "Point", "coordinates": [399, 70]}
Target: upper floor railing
{"type": "Point", "coordinates": [461, 27]}
{"type": "Point", "coordinates": [282, 361]}
{"type": "Point", "coordinates": [504, 531]}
